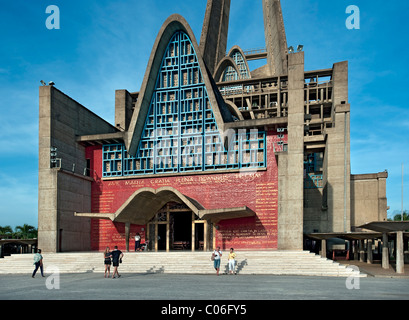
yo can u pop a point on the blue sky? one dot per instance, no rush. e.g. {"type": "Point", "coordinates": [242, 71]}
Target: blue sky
{"type": "Point", "coordinates": [103, 46]}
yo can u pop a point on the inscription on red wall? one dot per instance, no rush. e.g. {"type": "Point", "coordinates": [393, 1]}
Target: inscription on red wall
{"type": "Point", "coordinates": [258, 190]}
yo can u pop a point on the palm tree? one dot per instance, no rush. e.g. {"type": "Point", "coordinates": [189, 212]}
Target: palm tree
{"type": "Point", "coordinates": [26, 231]}
{"type": "Point", "coordinates": [6, 231]}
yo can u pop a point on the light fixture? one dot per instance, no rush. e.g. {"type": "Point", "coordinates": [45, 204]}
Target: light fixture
{"type": "Point", "coordinates": [300, 48]}
{"type": "Point", "coordinates": [51, 83]}
{"type": "Point", "coordinates": [43, 83]}
{"type": "Point", "coordinates": [291, 49]}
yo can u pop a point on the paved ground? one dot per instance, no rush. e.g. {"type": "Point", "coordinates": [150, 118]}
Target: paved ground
{"type": "Point", "coordinates": [92, 286]}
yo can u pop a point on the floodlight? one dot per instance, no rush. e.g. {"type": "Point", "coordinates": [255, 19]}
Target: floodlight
{"type": "Point", "coordinates": [291, 49]}
{"type": "Point", "coordinates": [51, 83]}
{"type": "Point", "coordinates": [300, 48]}
{"type": "Point", "coordinates": [43, 83]}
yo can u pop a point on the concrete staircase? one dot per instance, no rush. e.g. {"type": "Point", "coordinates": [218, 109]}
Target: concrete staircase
{"type": "Point", "coordinates": [184, 262]}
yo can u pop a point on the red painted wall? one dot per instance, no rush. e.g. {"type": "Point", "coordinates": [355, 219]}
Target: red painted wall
{"type": "Point", "coordinates": [256, 190]}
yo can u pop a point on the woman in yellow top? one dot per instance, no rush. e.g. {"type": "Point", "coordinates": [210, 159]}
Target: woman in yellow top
{"type": "Point", "coordinates": [232, 261]}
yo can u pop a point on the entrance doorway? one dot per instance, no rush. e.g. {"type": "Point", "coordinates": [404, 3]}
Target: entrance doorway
{"type": "Point", "coordinates": [181, 224]}
{"type": "Point", "coordinates": [176, 227]}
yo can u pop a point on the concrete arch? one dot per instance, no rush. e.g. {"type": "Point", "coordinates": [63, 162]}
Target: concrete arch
{"type": "Point", "coordinates": [172, 25]}
{"type": "Point", "coordinates": [237, 48]}
{"type": "Point", "coordinates": [234, 110]}
{"type": "Point", "coordinates": [222, 66]}
{"type": "Point", "coordinates": [144, 203]}
{"type": "Point", "coordinates": [142, 206]}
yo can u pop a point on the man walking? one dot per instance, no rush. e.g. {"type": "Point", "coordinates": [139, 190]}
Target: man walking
{"type": "Point", "coordinates": [116, 260]}
{"type": "Point", "coordinates": [38, 262]}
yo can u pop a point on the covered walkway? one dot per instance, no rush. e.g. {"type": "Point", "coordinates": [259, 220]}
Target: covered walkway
{"type": "Point", "coordinates": [362, 249]}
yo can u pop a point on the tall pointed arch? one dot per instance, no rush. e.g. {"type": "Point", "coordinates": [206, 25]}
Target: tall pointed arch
{"type": "Point", "coordinates": [172, 25]}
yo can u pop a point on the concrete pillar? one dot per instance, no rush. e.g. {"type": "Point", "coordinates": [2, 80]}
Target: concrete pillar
{"type": "Point", "coordinates": [361, 251]}
{"type": "Point", "coordinates": [291, 181]}
{"type": "Point", "coordinates": [324, 248]}
{"type": "Point", "coordinates": [356, 250]}
{"type": "Point", "coordinates": [275, 37]}
{"type": "Point", "coordinates": [213, 41]}
{"type": "Point", "coordinates": [369, 256]}
{"type": "Point", "coordinates": [127, 231]}
{"type": "Point", "coordinates": [400, 264]}
{"type": "Point", "coordinates": [385, 251]}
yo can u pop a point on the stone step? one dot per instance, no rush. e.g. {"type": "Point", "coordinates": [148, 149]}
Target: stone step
{"type": "Point", "coordinates": [249, 262]}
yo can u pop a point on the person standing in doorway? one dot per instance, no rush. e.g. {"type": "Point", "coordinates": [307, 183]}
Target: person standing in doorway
{"type": "Point", "coordinates": [137, 242]}
{"type": "Point", "coordinates": [107, 261]}
{"type": "Point", "coordinates": [232, 261]}
{"type": "Point", "coordinates": [38, 262]}
{"type": "Point", "coordinates": [217, 259]}
{"type": "Point", "coordinates": [116, 260]}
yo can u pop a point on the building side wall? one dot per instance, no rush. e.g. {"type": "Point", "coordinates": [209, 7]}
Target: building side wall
{"type": "Point", "coordinates": [64, 189]}
{"type": "Point", "coordinates": [368, 198]}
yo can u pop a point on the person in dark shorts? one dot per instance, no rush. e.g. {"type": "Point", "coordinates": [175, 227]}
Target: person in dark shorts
{"type": "Point", "coordinates": [107, 261]}
{"type": "Point", "coordinates": [116, 260]}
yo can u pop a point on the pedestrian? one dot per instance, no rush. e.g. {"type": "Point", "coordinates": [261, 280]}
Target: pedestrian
{"type": "Point", "coordinates": [116, 260]}
{"type": "Point", "coordinates": [38, 262]}
{"type": "Point", "coordinates": [217, 259]}
{"type": "Point", "coordinates": [232, 261]}
{"type": "Point", "coordinates": [137, 242]}
{"type": "Point", "coordinates": [107, 261]}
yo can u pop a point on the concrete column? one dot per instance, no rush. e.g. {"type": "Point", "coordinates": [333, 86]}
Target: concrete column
{"type": "Point", "coordinates": [400, 264]}
{"type": "Point", "coordinates": [361, 251]}
{"type": "Point", "coordinates": [356, 250]}
{"type": "Point", "coordinates": [213, 41]}
{"type": "Point", "coordinates": [385, 251]}
{"type": "Point", "coordinates": [291, 165]}
{"type": "Point", "coordinates": [369, 258]}
{"type": "Point", "coordinates": [324, 248]}
{"type": "Point", "coordinates": [127, 231]}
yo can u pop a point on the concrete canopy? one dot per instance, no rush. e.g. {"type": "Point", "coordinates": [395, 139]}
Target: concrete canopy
{"type": "Point", "coordinates": [142, 206]}
{"type": "Point", "coordinates": [386, 226]}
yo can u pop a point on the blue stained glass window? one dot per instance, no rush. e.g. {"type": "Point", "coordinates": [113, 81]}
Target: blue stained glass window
{"type": "Point", "coordinates": [180, 132]}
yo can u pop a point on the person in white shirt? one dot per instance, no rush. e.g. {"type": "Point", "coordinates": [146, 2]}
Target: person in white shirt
{"type": "Point", "coordinates": [137, 242]}
{"type": "Point", "coordinates": [217, 259]}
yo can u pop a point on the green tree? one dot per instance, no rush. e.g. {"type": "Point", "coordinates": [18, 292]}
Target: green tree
{"type": "Point", "coordinates": [6, 231]}
{"type": "Point", "coordinates": [26, 232]}
{"type": "Point", "coordinates": [398, 217]}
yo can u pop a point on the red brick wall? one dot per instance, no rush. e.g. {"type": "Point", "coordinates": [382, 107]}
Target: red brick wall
{"type": "Point", "coordinates": [256, 190]}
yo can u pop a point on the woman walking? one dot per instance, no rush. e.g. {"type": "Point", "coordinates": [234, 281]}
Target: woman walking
{"type": "Point", "coordinates": [107, 261]}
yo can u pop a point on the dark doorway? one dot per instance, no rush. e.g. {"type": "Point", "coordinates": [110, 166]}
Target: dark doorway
{"type": "Point", "coordinates": [161, 236]}
{"type": "Point", "coordinates": [182, 228]}
{"type": "Point", "coordinates": [199, 236]}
